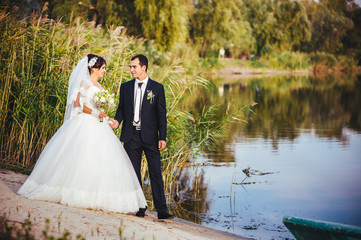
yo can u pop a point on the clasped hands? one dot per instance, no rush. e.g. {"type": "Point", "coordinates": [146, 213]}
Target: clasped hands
{"type": "Point", "coordinates": [161, 144]}
{"type": "Point", "coordinates": [112, 122]}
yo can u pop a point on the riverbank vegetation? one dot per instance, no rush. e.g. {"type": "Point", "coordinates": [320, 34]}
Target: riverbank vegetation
{"type": "Point", "coordinates": [317, 63]}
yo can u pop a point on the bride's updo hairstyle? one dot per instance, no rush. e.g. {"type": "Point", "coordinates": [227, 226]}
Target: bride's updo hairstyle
{"type": "Point", "coordinates": [95, 61]}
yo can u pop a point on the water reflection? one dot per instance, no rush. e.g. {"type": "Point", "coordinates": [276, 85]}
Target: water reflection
{"type": "Point", "coordinates": [305, 130]}
{"type": "Point", "coordinates": [288, 105]}
{"type": "Point", "coordinates": [191, 195]}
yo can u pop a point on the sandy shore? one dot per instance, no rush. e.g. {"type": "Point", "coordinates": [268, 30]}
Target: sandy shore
{"type": "Point", "coordinates": [89, 223]}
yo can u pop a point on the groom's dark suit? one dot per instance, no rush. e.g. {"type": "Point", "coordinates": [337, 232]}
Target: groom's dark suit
{"type": "Point", "coordinates": [153, 117]}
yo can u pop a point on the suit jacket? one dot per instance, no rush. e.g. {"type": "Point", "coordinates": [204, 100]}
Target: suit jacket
{"type": "Point", "coordinates": [153, 114]}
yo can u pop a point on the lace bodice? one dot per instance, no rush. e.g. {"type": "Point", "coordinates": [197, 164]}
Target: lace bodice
{"type": "Point", "coordinates": [87, 91]}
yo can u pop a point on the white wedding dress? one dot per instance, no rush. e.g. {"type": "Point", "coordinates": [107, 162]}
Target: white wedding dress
{"type": "Point", "coordinates": [85, 165]}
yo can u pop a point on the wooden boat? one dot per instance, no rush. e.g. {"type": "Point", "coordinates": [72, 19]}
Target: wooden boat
{"type": "Point", "coordinates": [307, 229]}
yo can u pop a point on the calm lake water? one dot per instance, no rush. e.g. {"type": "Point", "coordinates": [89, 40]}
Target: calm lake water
{"type": "Point", "coordinates": [303, 148]}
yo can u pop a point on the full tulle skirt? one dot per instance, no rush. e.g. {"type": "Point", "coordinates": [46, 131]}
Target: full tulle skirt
{"type": "Point", "coordinates": [85, 165]}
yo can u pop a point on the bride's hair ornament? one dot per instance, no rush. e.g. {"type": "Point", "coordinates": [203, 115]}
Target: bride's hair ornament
{"type": "Point", "coordinates": [92, 62]}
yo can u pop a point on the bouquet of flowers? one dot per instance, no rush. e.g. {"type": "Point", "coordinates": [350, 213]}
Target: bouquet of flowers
{"type": "Point", "coordinates": [104, 99]}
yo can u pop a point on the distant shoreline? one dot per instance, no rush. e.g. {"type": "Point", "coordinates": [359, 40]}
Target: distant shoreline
{"type": "Point", "coordinates": [232, 70]}
{"type": "Point", "coordinates": [240, 72]}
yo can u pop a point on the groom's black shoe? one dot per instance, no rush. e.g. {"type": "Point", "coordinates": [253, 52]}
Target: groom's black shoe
{"type": "Point", "coordinates": [165, 216]}
{"type": "Point", "coordinates": [141, 212]}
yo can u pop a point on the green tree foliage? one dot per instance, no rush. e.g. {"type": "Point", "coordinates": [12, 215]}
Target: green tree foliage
{"type": "Point", "coordinates": [221, 23]}
{"type": "Point", "coordinates": [352, 39]}
{"type": "Point", "coordinates": [339, 5]}
{"type": "Point", "coordinates": [106, 13]}
{"type": "Point", "coordinates": [328, 28]}
{"type": "Point", "coordinates": [23, 8]}
{"type": "Point", "coordinates": [118, 13]}
{"type": "Point", "coordinates": [69, 9]}
{"type": "Point", "coordinates": [92, 10]}
{"type": "Point", "coordinates": [242, 27]}
{"type": "Point", "coordinates": [164, 21]}
{"type": "Point", "coordinates": [277, 24]}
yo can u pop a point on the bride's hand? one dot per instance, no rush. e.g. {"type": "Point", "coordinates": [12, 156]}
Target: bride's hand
{"type": "Point", "coordinates": [114, 123]}
{"type": "Point", "coordinates": [102, 115]}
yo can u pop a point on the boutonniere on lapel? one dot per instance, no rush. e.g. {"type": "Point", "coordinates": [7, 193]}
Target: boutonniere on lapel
{"type": "Point", "coordinates": [150, 96]}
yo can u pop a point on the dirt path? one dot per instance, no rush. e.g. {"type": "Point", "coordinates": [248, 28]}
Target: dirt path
{"type": "Point", "coordinates": [89, 223]}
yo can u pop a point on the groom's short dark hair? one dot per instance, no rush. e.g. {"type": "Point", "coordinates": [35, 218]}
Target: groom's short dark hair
{"type": "Point", "coordinates": [143, 60]}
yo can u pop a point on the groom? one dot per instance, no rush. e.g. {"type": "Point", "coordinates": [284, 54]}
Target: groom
{"type": "Point", "coordinates": [142, 109]}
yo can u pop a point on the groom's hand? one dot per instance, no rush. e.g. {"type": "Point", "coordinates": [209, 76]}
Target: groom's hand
{"type": "Point", "coordinates": [161, 144]}
{"type": "Point", "coordinates": [114, 123]}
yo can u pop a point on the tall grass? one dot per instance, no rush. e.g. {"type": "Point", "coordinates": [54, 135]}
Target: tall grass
{"type": "Point", "coordinates": [37, 57]}
{"type": "Point", "coordinates": [288, 60]}
{"type": "Point", "coordinates": [322, 62]}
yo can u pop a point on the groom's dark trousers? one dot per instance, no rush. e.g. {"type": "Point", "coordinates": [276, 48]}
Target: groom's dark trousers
{"type": "Point", "coordinates": [134, 150]}
{"type": "Point", "coordinates": [153, 128]}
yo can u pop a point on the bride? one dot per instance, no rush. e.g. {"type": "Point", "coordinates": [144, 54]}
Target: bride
{"type": "Point", "coordinates": [84, 164]}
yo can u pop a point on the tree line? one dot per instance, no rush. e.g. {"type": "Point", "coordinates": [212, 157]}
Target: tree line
{"type": "Point", "coordinates": [241, 27]}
